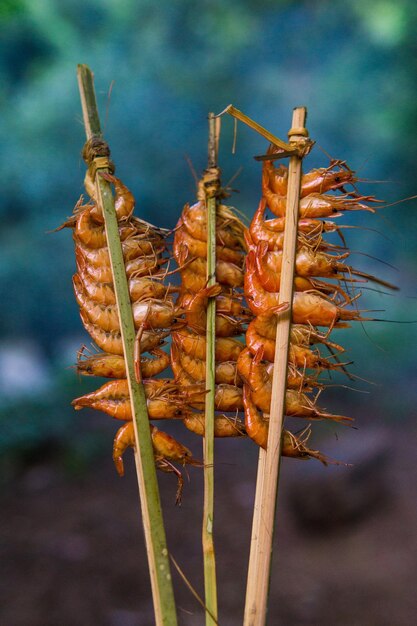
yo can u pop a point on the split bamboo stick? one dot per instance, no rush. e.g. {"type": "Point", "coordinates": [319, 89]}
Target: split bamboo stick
{"type": "Point", "coordinates": [269, 461]}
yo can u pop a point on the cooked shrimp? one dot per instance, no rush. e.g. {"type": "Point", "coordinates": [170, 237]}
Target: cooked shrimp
{"type": "Point", "coordinates": [223, 426]}
{"type": "Point", "coordinates": [195, 369]}
{"type": "Point", "coordinates": [308, 308]}
{"type": "Point", "coordinates": [142, 266]}
{"type": "Point", "coordinates": [108, 365]}
{"type": "Point", "coordinates": [124, 201]}
{"type": "Point", "coordinates": [150, 314]}
{"type": "Point", "coordinates": [194, 276]}
{"type": "Point", "coordinates": [198, 248]}
{"type": "Point", "coordinates": [319, 180]}
{"type": "Point", "coordinates": [317, 205]}
{"type": "Point", "coordinates": [111, 341]}
{"type": "Point", "coordinates": [195, 307]}
{"type": "Point", "coordinates": [227, 349]}
{"type": "Point", "coordinates": [229, 229]}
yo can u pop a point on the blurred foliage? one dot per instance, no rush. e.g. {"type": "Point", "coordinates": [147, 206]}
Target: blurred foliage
{"type": "Point", "coordinates": [352, 64]}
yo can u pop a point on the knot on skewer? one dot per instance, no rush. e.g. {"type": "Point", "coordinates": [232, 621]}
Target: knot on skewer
{"type": "Point", "coordinates": [299, 138]}
{"type": "Point", "coordinates": [210, 183]}
{"type": "Point", "coordinates": [96, 153]}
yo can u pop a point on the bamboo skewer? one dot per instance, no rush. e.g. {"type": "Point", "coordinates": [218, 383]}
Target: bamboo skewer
{"type": "Point", "coordinates": [209, 556]}
{"type": "Point", "coordinates": [155, 540]}
{"type": "Point", "coordinates": [269, 460]}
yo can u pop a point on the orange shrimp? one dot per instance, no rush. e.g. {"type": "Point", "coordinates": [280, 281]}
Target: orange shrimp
{"type": "Point", "coordinates": [317, 205]}
{"type": "Point", "coordinates": [195, 306]}
{"type": "Point", "coordinates": [226, 348]}
{"type": "Point", "coordinates": [108, 365]}
{"type": "Point", "coordinates": [190, 370]}
{"type": "Point", "coordinates": [92, 234]}
{"type": "Point", "coordinates": [149, 314]}
{"type": "Point", "coordinates": [308, 308]}
{"type": "Point", "coordinates": [223, 426]}
{"type": "Point", "coordinates": [299, 356]}
{"type": "Point", "coordinates": [166, 449]}
{"type": "Point", "coordinates": [256, 425]}
{"type": "Point", "coordinates": [198, 248]}
{"type": "Point", "coordinates": [259, 375]}
{"type": "Point", "coordinates": [316, 181]}
{"type": "Point", "coordinates": [298, 404]}
{"type": "Point", "coordinates": [124, 201]}
{"type": "Point", "coordinates": [142, 266]}
{"type": "Point", "coordinates": [272, 230]}
{"type": "Point", "coordinates": [140, 288]}
{"type": "Point", "coordinates": [268, 268]}
{"type": "Point", "coordinates": [266, 325]}
{"type": "Point", "coordinates": [229, 229]}
{"type": "Point", "coordinates": [113, 398]}
{"type": "Point", "coordinates": [111, 341]}
{"type": "Point", "coordinates": [194, 275]}
{"type": "Point", "coordinates": [227, 398]}
{"type": "Point", "coordinates": [133, 247]}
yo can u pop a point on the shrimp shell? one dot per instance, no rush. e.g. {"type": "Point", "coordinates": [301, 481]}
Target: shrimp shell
{"type": "Point", "coordinates": [226, 348]}
{"type": "Point", "coordinates": [111, 341]}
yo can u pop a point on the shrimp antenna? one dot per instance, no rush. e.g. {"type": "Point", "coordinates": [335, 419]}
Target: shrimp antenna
{"type": "Point", "coordinates": [374, 258]}
{"type": "Point", "coordinates": [106, 117]}
{"type": "Point", "coordinates": [192, 168]}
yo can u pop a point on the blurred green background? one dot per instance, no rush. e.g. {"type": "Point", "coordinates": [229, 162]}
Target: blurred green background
{"type": "Point", "coordinates": [158, 71]}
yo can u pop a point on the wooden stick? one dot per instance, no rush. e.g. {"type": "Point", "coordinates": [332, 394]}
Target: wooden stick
{"type": "Point", "coordinates": [209, 556]}
{"type": "Point", "coordinates": [158, 560]}
{"type": "Point", "coordinates": [269, 460]}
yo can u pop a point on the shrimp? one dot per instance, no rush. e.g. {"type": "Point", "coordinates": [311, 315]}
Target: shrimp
{"type": "Point", "coordinates": [111, 341]}
{"type": "Point", "coordinates": [149, 314]}
{"type": "Point", "coordinates": [268, 268]}
{"type": "Point", "coordinates": [272, 230]}
{"type": "Point", "coordinates": [113, 398]}
{"type": "Point", "coordinates": [133, 247]}
{"type": "Point", "coordinates": [298, 404]}
{"type": "Point", "coordinates": [226, 348]}
{"type": "Point", "coordinates": [266, 325]}
{"type": "Point", "coordinates": [229, 229]}
{"type": "Point", "coordinates": [142, 266]}
{"type": "Point", "coordinates": [190, 370]}
{"type": "Point", "coordinates": [259, 376]}
{"type": "Point", "coordinates": [317, 205]}
{"type": "Point", "coordinates": [308, 308]}
{"type": "Point", "coordinates": [194, 276]}
{"type": "Point", "coordinates": [140, 288]}
{"type": "Point", "coordinates": [198, 248]}
{"type": "Point", "coordinates": [124, 201]}
{"type": "Point", "coordinates": [256, 425]}
{"type": "Point", "coordinates": [125, 438]}
{"type": "Point", "coordinates": [166, 449]}
{"type": "Point", "coordinates": [195, 306]}
{"type": "Point", "coordinates": [108, 365]}
{"type": "Point", "coordinates": [92, 234]}
{"type": "Point", "coordinates": [319, 180]}
{"type": "Point", "coordinates": [223, 426]}
{"type": "Point", "coordinates": [299, 356]}
{"type": "Point", "coordinates": [227, 398]}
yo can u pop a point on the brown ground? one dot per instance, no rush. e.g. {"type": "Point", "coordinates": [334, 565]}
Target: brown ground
{"type": "Point", "coordinates": [72, 550]}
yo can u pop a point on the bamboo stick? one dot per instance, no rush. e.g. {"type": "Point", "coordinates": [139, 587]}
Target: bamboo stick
{"type": "Point", "coordinates": [158, 561]}
{"type": "Point", "coordinates": [269, 460]}
{"type": "Point", "coordinates": [209, 556]}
